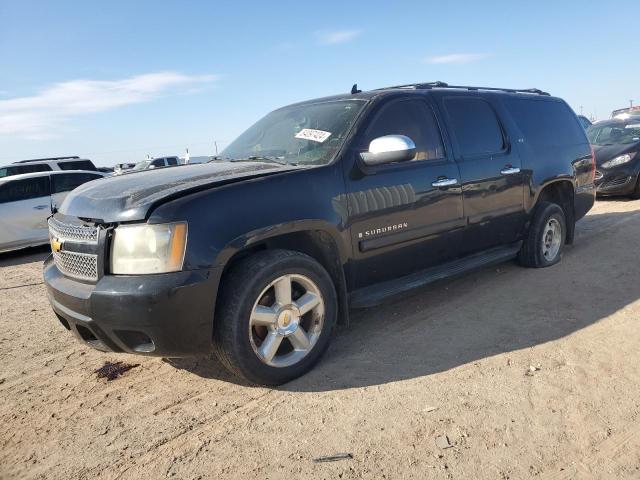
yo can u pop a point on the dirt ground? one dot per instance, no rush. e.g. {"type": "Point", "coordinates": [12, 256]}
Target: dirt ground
{"type": "Point", "coordinates": [528, 373]}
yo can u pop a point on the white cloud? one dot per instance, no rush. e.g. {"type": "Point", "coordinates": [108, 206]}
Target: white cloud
{"type": "Point", "coordinates": [456, 58]}
{"type": "Point", "coordinates": [335, 37]}
{"type": "Point", "coordinates": [41, 115]}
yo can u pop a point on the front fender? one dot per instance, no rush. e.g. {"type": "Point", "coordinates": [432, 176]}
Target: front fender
{"type": "Point", "coordinates": [226, 219]}
{"type": "Point", "coordinates": [262, 234]}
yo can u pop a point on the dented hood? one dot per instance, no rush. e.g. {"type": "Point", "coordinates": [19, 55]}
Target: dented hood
{"type": "Point", "coordinates": [132, 196]}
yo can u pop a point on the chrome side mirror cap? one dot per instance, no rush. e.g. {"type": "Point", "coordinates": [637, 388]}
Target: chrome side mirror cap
{"type": "Point", "coordinates": [389, 149]}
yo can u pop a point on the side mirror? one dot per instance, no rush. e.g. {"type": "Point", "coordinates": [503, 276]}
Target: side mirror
{"type": "Point", "coordinates": [389, 149]}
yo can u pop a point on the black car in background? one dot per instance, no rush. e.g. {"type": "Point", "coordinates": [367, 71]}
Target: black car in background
{"type": "Point", "coordinates": [616, 144]}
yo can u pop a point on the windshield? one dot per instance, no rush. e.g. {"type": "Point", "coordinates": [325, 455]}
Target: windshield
{"type": "Point", "coordinates": [142, 165]}
{"type": "Point", "coordinates": [309, 134]}
{"type": "Point", "coordinates": [616, 133]}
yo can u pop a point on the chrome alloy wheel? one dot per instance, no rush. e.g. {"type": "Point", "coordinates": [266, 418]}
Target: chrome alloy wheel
{"type": "Point", "coordinates": [551, 239]}
{"type": "Point", "coordinates": [286, 320]}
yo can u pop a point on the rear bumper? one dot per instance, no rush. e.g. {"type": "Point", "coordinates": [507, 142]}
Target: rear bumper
{"type": "Point", "coordinates": [162, 315]}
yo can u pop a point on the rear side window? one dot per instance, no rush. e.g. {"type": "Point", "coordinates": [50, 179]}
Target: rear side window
{"type": "Point", "coordinates": [18, 169]}
{"type": "Point", "coordinates": [412, 118]}
{"type": "Point", "coordinates": [475, 125]}
{"type": "Point", "coordinates": [65, 182]}
{"type": "Point", "coordinates": [547, 123]}
{"type": "Point", "coordinates": [24, 189]}
{"type": "Point", "coordinates": [77, 165]}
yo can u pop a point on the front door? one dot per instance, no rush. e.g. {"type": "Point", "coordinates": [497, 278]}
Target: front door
{"type": "Point", "coordinates": [492, 183]}
{"type": "Point", "coordinates": [25, 205]}
{"type": "Point", "coordinates": [404, 216]}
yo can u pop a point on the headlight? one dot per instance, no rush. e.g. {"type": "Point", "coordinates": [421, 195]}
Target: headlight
{"type": "Point", "coordinates": [142, 249]}
{"type": "Point", "coordinates": [619, 160]}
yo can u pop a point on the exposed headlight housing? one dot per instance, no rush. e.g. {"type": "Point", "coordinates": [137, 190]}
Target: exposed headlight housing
{"type": "Point", "coordinates": [619, 160]}
{"type": "Point", "coordinates": [146, 249]}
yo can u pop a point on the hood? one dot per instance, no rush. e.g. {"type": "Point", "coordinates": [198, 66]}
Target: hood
{"type": "Point", "coordinates": [131, 196]}
{"type": "Point", "coordinates": [605, 153]}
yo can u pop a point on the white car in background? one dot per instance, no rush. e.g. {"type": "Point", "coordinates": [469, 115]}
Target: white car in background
{"type": "Point", "coordinates": [27, 200]}
{"type": "Point", "coordinates": [46, 165]}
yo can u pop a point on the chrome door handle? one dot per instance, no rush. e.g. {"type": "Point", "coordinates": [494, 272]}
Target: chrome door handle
{"type": "Point", "coordinates": [510, 171]}
{"type": "Point", "coordinates": [445, 182]}
{"type": "Point", "coordinates": [41, 207]}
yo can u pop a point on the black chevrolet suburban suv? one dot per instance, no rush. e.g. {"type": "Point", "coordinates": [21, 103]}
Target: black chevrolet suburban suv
{"type": "Point", "coordinates": [323, 205]}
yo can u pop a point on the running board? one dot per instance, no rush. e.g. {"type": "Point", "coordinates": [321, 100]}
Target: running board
{"type": "Point", "coordinates": [375, 294]}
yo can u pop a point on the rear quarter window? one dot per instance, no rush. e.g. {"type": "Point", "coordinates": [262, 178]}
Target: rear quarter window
{"type": "Point", "coordinates": [65, 182]}
{"type": "Point", "coordinates": [77, 165]}
{"type": "Point", "coordinates": [547, 123]}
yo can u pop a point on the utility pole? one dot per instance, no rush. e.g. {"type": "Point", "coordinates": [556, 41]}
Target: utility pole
{"type": "Point", "coordinates": [580, 109]}
{"type": "Point", "coordinates": [631, 103]}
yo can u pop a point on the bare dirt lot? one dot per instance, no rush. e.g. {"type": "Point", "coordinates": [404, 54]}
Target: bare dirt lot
{"type": "Point", "coordinates": [528, 373]}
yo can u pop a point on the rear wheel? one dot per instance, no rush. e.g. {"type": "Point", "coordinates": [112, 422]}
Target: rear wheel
{"type": "Point", "coordinates": [546, 237]}
{"type": "Point", "coordinates": [277, 311]}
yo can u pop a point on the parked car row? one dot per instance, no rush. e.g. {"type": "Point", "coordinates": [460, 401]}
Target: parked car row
{"type": "Point", "coordinates": [320, 206]}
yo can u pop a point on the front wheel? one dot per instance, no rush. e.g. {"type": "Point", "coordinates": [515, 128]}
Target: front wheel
{"type": "Point", "coordinates": [277, 311]}
{"type": "Point", "coordinates": [546, 237]}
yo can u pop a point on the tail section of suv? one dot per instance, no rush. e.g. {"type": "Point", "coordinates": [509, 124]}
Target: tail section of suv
{"type": "Point", "coordinates": [319, 207]}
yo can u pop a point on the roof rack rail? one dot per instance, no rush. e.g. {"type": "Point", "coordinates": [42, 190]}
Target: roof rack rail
{"type": "Point", "coordinates": [46, 159]}
{"type": "Point", "coordinates": [430, 85]}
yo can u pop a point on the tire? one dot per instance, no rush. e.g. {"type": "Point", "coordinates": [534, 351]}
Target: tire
{"type": "Point", "coordinates": [261, 338]}
{"type": "Point", "coordinates": [635, 195]}
{"type": "Point", "coordinates": [544, 243]}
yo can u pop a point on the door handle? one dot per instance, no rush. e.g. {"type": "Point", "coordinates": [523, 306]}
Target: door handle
{"type": "Point", "coordinates": [41, 207]}
{"type": "Point", "coordinates": [445, 182]}
{"type": "Point", "coordinates": [510, 171]}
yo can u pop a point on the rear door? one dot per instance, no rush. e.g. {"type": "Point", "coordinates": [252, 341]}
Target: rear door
{"type": "Point", "coordinates": [25, 205]}
{"type": "Point", "coordinates": [63, 183]}
{"type": "Point", "coordinates": [490, 169]}
{"type": "Point", "coordinates": [401, 220]}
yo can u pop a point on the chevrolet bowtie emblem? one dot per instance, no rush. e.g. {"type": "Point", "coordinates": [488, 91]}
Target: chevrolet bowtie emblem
{"type": "Point", "coordinates": [56, 245]}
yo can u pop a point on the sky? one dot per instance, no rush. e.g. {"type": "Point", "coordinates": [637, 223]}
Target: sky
{"type": "Point", "coordinates": [114, 81]}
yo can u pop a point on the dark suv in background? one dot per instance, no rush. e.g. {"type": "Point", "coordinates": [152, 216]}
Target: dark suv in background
{"type": "Point", "coordinates": [324, 205]}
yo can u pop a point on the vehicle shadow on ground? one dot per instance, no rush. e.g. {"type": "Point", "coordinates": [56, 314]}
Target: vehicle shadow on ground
{"type": "Point", "coordinates": [484, 313]}
{"type": "Point", "coordinates": [27, 255]}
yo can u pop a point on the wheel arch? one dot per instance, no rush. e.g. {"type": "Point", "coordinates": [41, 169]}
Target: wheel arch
{"type": "Point", "coordinates": [561, 192]}
{"type": "Point", "coordinates": [315, 239]}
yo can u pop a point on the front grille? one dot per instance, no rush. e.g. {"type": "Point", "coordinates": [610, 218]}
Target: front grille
{"type": "Point", "coordinates": [79, 265]}
{"type": "Point", "coordinates": [616, 182]}
{"type": "Point", "coordinates": [82, 265]}
{"type": "Point", "coordinates": [76, 233]}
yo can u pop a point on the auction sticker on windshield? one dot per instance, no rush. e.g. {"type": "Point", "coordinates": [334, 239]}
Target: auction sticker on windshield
{"type": "Point", "coordinates": [313, 135]}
